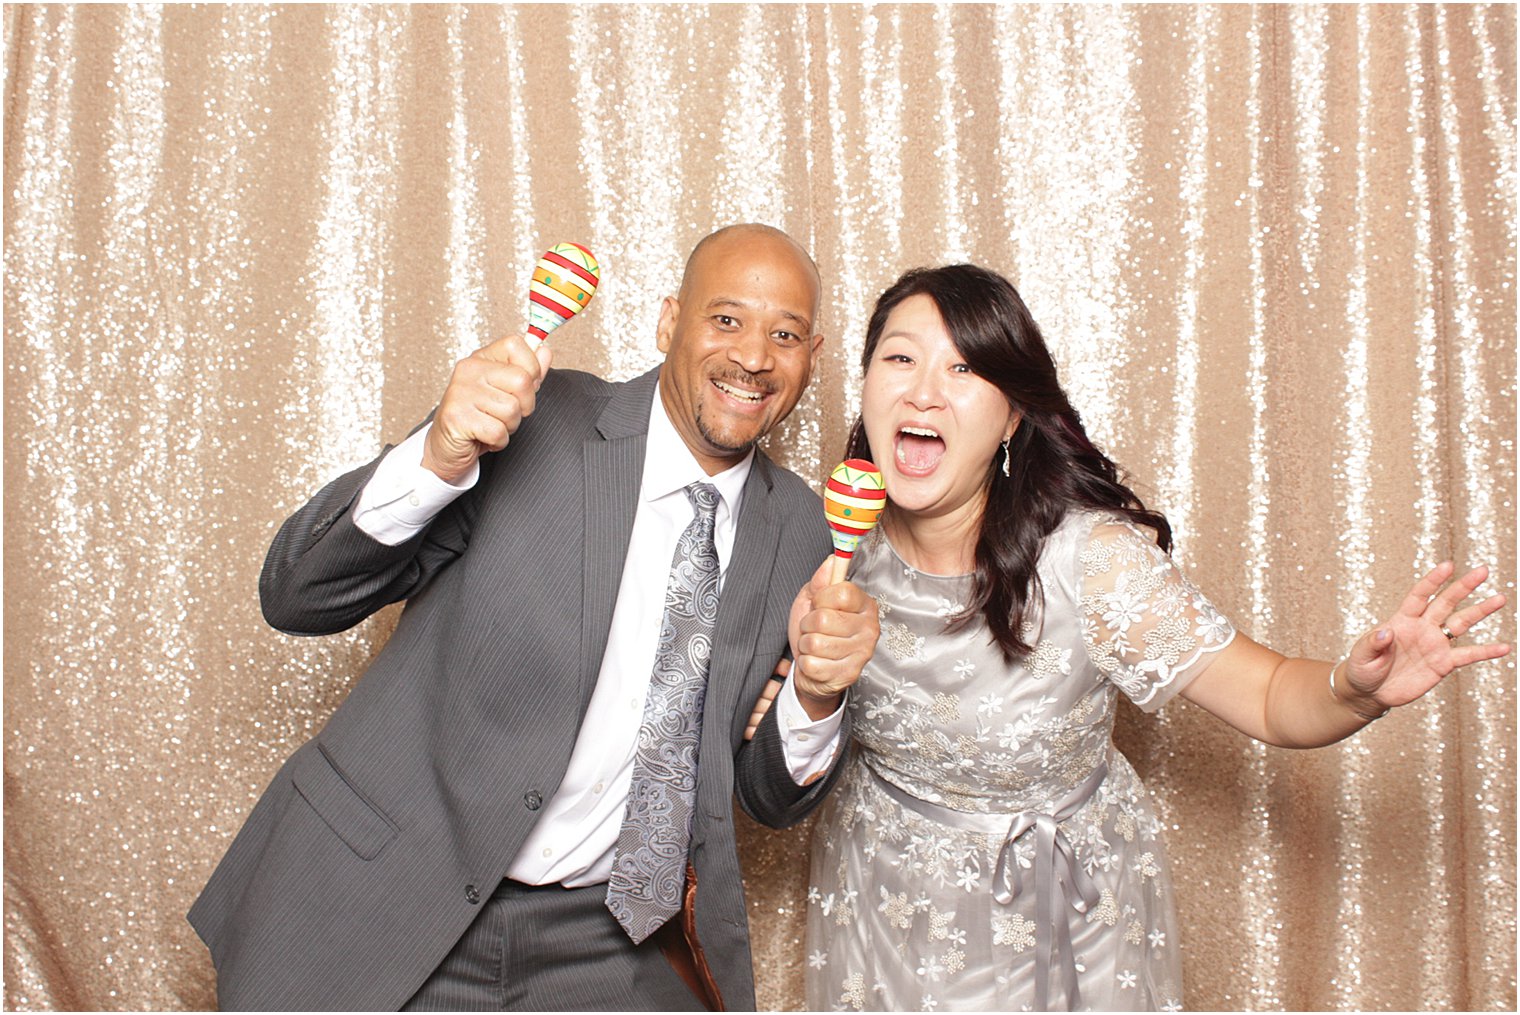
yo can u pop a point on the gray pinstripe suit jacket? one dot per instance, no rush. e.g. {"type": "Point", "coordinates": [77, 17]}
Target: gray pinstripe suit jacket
{"type": "Point", "coordinates": [369, 853]}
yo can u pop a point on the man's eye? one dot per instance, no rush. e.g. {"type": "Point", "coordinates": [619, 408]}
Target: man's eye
{"type": "Point", "coordinates": [726, 321]}
{"type": "Point", "coordinates": [788, 337]}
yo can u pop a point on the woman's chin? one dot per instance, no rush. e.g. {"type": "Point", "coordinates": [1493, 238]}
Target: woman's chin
{"type": "Point", "coordinates": [915, 495]}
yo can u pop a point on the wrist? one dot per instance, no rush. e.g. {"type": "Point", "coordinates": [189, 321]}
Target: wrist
{"type": "Point", "coordinates": [1364, 706]}
{"type": "Point", "coordinates": [431, 463]}
{"type": "Point", "coordinates": [817, 706]}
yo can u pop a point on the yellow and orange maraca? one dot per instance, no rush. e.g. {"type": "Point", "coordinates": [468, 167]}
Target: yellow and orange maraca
{"type": "Point", "coordinates": [564, 280]}
{"type": "Point", "coordinates": [853, 500]}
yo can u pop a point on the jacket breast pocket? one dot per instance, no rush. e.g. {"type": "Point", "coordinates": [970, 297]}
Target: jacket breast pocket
{"type": "Point", "coordinates": [345, 810]}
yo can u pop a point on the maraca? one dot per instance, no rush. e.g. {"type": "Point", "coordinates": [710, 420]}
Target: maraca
{"type": "Point", "coordinates": [852, 503]}
{"type": "Point", "coordinates": [564, 280]}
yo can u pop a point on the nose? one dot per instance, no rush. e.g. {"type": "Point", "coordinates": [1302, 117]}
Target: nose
{"type": "Point", "coordinates": [926, 390]}
{"type": "Point", "coordinates": [751, 349]}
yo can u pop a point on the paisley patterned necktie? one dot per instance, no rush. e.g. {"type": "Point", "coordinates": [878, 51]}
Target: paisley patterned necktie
{"type": "Point", "coordinates": [649, 865]}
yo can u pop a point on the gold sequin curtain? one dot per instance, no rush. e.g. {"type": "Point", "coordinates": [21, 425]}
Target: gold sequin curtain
{"type": "Point", "coordinates": [1272, 247]}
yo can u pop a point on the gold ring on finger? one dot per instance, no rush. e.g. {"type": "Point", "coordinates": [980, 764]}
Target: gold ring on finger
{"type": "Point", "coordinates": [1447, 631]}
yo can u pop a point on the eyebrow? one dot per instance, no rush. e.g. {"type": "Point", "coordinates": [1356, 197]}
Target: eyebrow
{"type": "Point", "coordinates": [720, 302]}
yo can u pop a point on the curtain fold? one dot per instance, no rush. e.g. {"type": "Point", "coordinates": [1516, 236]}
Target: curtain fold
{"type": "Point", "coordinates": [1272, 248]}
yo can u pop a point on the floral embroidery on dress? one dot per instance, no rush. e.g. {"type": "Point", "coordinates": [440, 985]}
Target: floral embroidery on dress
{"type": "Point", "coordinates": [898, 909]}
{"type": "Point", "coordinates": [1143, 622]}
{"type": "Point", "coordinates": [1049, 660]}
{"type": "Point", "coordinates": [902, 643]}
{"type": "Point", "coordinates": [901, 906]}
{"type": "Point", "coordinates": [1106, 911]}
{"type": "Point", "coordinates": [1014, 931]}
{"type": "Point", "coordinates": [854, 994]}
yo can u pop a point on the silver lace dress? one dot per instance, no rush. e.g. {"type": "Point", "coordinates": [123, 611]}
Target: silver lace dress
{"type": "Point", "coordinates": [987, 848]}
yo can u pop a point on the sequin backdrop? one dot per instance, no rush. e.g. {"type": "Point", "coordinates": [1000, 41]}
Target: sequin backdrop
{"type": "Point", "coordinates": [1273, 249]}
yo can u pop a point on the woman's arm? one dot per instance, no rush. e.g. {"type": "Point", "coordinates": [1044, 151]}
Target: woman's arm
{"type": "Point", "coordinates": [1291, 702]}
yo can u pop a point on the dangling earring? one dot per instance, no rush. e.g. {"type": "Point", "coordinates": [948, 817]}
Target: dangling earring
{"type": "Point", "coordinates": [1005, 455]}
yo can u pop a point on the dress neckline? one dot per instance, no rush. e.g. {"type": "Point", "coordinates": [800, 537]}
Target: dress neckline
{"type": "Point", "coordinates": [881, 534]}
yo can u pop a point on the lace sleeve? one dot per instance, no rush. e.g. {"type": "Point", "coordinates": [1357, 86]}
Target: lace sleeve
{"type": "Point", "coordinates": [1148, 630]}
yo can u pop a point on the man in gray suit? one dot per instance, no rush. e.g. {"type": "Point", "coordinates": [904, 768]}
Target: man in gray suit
{"type": "Point", "coordinates": [446, 842]}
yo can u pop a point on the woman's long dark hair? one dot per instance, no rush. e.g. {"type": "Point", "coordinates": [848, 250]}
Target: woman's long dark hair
{"type": "Point", "coordinates": [1054, 467]}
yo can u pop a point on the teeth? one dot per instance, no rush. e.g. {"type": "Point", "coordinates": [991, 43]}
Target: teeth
{"type": "Point", "coordinates": [747, 396]}
{"type": "Point", "coordinates": [920, 431]}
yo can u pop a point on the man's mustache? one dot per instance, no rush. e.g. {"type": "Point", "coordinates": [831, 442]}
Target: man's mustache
{"type": "Point", "coordinates": [744, 378]}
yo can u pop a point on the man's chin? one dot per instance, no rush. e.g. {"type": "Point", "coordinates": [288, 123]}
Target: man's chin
{"type": "Point", "coordinates": [728, 444]}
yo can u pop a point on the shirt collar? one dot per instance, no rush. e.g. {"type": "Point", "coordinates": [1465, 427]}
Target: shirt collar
{"type": "Point", "coordinates": [669, 465]}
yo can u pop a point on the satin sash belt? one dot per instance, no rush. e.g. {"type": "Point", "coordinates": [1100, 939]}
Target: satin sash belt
{"type": "Point", "coordinates": [1056, 872]}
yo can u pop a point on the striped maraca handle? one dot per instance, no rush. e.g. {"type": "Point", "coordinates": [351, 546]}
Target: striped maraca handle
{"type": "Point", "coordinates": [852, 502]}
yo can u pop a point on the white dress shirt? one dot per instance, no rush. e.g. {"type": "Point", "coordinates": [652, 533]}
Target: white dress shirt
{"type": "Point", "coordinates": [574, 839]}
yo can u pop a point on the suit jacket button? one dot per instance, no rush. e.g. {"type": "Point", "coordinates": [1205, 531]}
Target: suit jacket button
{"type": "Point", "coordinates": [533, 799]}
{"type": "Point", "coordinates": [472, 895]}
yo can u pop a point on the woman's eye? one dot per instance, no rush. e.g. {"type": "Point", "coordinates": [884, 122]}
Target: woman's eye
{"type": "Point", "coordinates": [961, 368]}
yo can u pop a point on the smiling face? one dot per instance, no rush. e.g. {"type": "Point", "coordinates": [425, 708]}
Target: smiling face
{"type": "Point", "coordinates": [738, 342]}
{"type": "Point", "coordinates": [933, 425]}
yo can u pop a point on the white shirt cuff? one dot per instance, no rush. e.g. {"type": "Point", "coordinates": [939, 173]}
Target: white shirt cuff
{"type": "Point", "coordinates": [402, 497]}
{"type": "Point", "coordinates": [809, 745]}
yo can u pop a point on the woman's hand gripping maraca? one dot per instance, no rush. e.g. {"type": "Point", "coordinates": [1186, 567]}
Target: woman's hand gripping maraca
{"type": "Point", "coordinates": [834, 624]}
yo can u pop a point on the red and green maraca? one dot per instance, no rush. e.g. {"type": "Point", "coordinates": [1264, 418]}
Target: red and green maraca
{"type": "Point", "coordinates": [564, 280]}
{"type": "Point", "coordinates": [853, 501]}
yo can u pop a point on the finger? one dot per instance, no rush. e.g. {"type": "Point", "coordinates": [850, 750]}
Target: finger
{"type": "Point", "coordinates": [462, 425]}
{"type": "Point", "coordinates": [545, 355]}
{"type": "Point", "coordinates": [827, 623]}
{"type": "Point", "coordinates": [1419, 597]}
{"type": "Point", "coordinates": [1451, 596]}
{"type": "Point", "coordinates": [1366, 649]}
{"type": "Point", "coordinates": [1467, 618]}
{"type": "Point", "coordinates": [1466, 655]}
{"type": "Point", "coordinates": [513, 378]}
{"type": "Point", "coordinates": [507, 349]}
{"type": "Point", "coordinates": [486, 429]}
{"type": "Point", "coordinates": [502, 405]}
{"type": "Point", "coordinates": [783, 669]}
{"type": "Point", "coordinates": [847, 597]}
{"type": "Point", "coordinates": [822, 656]}
{"type": "Point", "coordinates": [521, 354]}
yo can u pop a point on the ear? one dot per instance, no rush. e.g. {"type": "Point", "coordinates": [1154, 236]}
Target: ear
{"type": "Point", "coordinates": [1014, 419]}
{"type": "Point", "coordinates": [817, 343]}
{"type": "Point", "coordinates": [670, 310]}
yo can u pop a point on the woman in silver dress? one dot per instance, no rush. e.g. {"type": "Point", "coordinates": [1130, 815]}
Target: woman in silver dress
{"type": "Point", "coordinates": [988, 848]}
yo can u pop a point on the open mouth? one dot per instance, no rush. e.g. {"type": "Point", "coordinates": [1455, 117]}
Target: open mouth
{"type": "Point", "coordinates": [745, 395]}
{"type": "Point", "coordinates": [918, 450]}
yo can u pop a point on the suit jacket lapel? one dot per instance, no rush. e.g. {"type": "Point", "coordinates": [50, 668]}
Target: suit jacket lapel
{"type": "Point", "coordinates": [744, 594]}
{"type": "Point", "coordinates": [613, 464]}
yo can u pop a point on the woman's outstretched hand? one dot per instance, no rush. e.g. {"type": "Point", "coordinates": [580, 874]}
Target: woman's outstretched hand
{"type": "Point", "coordinates": [1411, 652]}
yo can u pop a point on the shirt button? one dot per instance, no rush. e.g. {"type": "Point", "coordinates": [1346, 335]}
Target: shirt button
{"type": "Point", "coordinates": [633, 703]}
{"type": "Point", "coordinates": [548, 852]}
{"type": "Point", "coordinates": [598, 788]}
{"type": "Point", "coordinates": [803, 738]}
{"type": "Point", "coordinates": [533, 800]}
{"type": "Point", "coordinates": [414, 500]}
{"type": "Point", "coordinates": [472, 895]}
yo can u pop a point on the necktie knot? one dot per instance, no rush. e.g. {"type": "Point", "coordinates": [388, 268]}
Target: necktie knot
{"type": "Point", "coordinates": [704, 498]}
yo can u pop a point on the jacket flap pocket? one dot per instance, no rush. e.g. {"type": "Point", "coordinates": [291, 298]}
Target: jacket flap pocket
{"type": "Point", "coordinates": [347, 813]}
